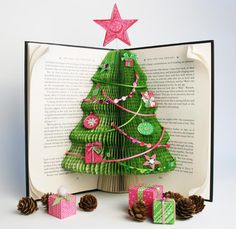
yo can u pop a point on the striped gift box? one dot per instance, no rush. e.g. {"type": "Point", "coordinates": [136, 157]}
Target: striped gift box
{"type": "Point", "coordinates": [164, 211]}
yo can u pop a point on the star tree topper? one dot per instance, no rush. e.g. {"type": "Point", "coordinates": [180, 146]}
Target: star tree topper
{"type": "Point", "coordinates": [116, 27]}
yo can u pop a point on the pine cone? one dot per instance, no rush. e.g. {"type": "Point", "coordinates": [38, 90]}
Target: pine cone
{"type": "Point", "coordinates": [199, 203]}
{"type": "Point", "coordinates": [185, 208]}
{"type": "Point", "coordinates": [173, 195]}
{"type": "Point", "coordinates": [138, 211]}
{"type": "Point", "coordinates": [88, 202]}
{"type": "Point", "coordinates": [44, 199]}
{"type": "Point", "coordinates": [27, 205]}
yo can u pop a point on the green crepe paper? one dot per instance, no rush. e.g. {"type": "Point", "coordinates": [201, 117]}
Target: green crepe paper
{"type": "Point", "coordinates": [126, 56]}
{"type": "Point", "coordinates": [117, 82]}
{"type": "Point", "coordinates": [169, 211]}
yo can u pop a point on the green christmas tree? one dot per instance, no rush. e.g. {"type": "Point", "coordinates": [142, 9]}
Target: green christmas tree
{"type": "Point", "coordinates": [119, 133]}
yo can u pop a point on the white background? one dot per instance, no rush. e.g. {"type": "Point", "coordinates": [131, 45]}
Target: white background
{"type": "Point", "coordinates": [70, 22]}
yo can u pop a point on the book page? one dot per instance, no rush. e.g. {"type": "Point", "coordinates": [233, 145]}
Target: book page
{"type": "Point", "coordinates": [59, 77]}
{"type": "Point", "coordinates": [180, 77]}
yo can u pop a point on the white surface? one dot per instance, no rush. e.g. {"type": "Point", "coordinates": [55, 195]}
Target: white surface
{"type": "Point", "coordinates": [70, 22]}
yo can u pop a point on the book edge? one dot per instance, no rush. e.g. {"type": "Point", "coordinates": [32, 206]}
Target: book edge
{"type": "Point", "coordinates": [26, 118]}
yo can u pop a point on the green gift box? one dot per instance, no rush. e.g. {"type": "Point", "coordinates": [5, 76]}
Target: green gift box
{"type": "Point", "coordinates": [164, 211]}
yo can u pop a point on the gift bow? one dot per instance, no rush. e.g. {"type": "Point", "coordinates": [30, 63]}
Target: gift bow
{"type": "Point", "coordinates": [59, 198]}
{"type": "Point", "coordinates": [126, 56]}
{"type": "Point", "coordinates": [96, 149]}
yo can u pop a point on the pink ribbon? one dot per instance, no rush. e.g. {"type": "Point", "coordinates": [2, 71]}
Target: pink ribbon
{"type": "Point", "coordinates": [123, 108]}
{"type": "Point", "coordinates": [126, 158]}
{"type": "Point", "coordinates": [163, 210]}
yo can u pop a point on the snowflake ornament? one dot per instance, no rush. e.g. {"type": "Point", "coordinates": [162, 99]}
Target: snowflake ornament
{"type": "Point", "coordinates": [91, 121]}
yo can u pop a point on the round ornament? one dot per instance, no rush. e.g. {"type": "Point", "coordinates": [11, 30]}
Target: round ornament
{"type": "Point", "coordinates": [91, 121]}
{"type": "Point", "coordinates": [145, 128]}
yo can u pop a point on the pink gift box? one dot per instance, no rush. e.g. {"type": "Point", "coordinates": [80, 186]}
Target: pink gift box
{"type": "Point", "coordinates": [93, 152]}
{"type": "Point", "coordinates": [64, 208]}
{"type": "Point", "coordinates": [129, 62]}
{"type": "Point", "coordinates": [146, 193]}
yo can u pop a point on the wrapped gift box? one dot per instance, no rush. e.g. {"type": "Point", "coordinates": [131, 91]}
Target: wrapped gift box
{"type": "Point", "coordinates": [128, 59]}
{"type": "Point", "coordinates": [93, 152]}
{"type": "Point", "coordinates": [146, 193]}
{"type": "Point", "coordinates": [129, 62]}
{"type": "Point", "coordinates": [164, 211]}
{"type": "Point", "coordinates": [63, 207]}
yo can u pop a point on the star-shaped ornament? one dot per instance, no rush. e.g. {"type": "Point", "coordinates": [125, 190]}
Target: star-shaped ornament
{"type": "Point", "coordinates": [116, 27]}
{"type": "Point", "coordinates": [151, 161]}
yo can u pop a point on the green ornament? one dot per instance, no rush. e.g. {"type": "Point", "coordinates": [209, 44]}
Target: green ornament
{"type": "Point", "coordinates": [95, 91]}
{"type": "Point", "coordinates": [105, 67]}
{"type": "Point", "coordinates": [145, 128]}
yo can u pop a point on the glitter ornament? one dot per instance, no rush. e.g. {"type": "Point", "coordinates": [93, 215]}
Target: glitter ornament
{"type": "Point", "coordinates": [145, 128]}
{"type": "Point", "coordinates": [151, 161]}
{"type": "Point", "coordinates": [91, 121]}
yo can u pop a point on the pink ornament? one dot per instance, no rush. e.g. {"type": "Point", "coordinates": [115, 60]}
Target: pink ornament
{"type": "Point", "coordinates": [142, 144]}
{"type": "Point", "coordinates": [151, 161]}
{"type": "Point", "coordinates": [116, 100]}
{"type": "Point", "coordinates": [148, 99]}
{"type": "Point", "coordinates": [91, 121]}
{"type": "Point", "coordinates": [116, 27]}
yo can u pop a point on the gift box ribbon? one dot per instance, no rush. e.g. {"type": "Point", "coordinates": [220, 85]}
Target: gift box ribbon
{"type": "Point", "coordinates": [97, 150]}
{"type": "Point", "coordinates": [163, 200]}
{"type": "Point", "coordinates": [59, 198]}
{"type": "Point", "coordinates": [163, 210]}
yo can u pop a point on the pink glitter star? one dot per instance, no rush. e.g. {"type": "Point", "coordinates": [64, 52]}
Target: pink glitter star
{"type": "Point", "coordinates": [151, 161]}
{"type": "Point", "coordinates": [116, 27]}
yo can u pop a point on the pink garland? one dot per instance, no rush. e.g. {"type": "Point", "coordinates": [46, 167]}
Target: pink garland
{"type": "Point", "coordinates": [127, 158]}
{"type": "Point", "coordinates": [123, 98]}
{"type": "Point", "coordinates": [134, 140]}
{"type": "Point", "coordinates": [123, 108]}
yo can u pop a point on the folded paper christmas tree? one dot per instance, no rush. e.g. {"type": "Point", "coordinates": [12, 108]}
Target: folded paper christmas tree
{"type": "Point", "coordinates": [119, 133]}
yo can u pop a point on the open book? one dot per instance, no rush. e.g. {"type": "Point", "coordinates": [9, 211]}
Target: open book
{"type": "Point", "coordinates": [58, 78]}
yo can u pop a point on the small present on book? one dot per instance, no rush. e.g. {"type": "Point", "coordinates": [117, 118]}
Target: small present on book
{"type": "Point", "coordinates": [164, 211]}
{"type": "Point", "coordinates": [62, 205]}
{"type": "Point", "coordinates": [93, 152]}
{"type": "Point", "coordinates": [128, 59]}
{"type": "Point", "coordinates": [147, 193]}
